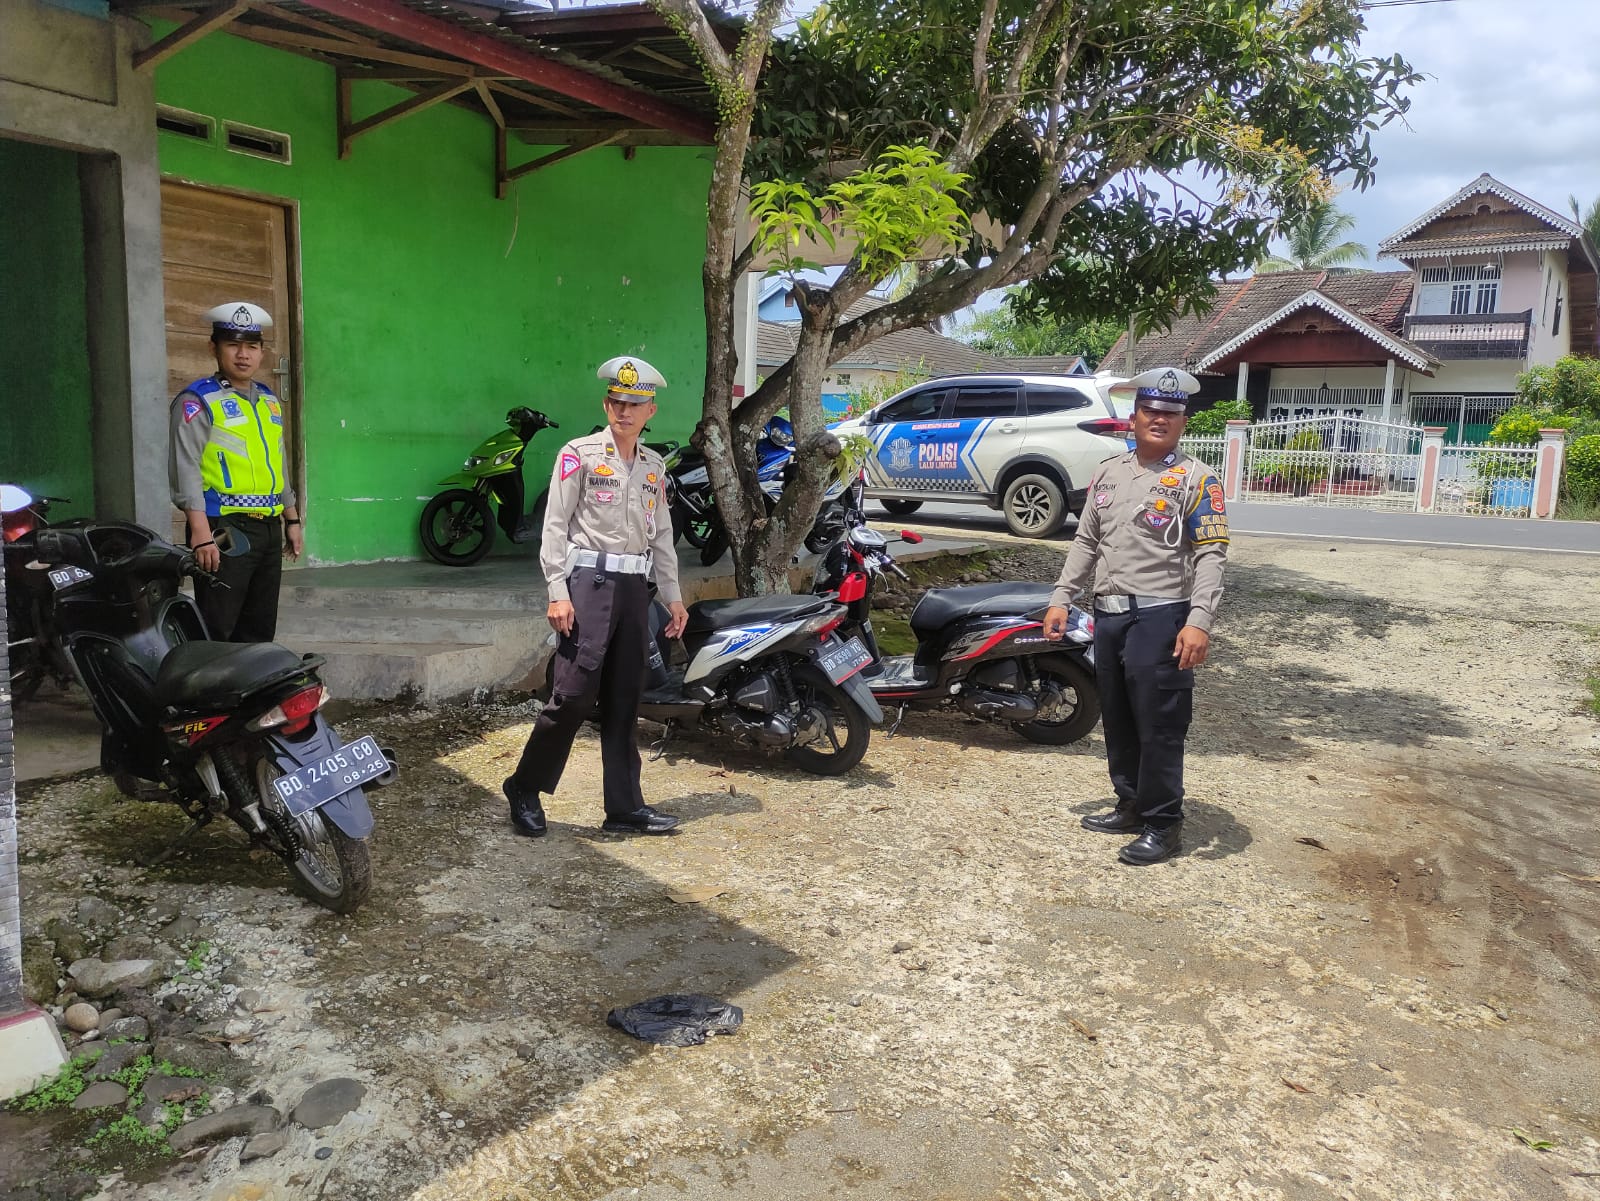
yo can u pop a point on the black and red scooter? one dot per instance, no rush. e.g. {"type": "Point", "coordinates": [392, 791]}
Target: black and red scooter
{"type": "Point", "coordinates": [980, 648]}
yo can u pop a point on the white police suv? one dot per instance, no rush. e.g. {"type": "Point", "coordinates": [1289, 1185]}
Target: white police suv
{"type": "Point", "coordinates": [1023, 444]}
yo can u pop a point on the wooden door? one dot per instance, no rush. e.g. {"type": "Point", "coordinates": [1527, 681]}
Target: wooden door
{"type": "Point", "coordinates": [216, 248]}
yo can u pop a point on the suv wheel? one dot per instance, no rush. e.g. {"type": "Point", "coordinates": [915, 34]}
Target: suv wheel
{"type": "Point", "coordinates": [1034, 505]}
{"type": "Point", "coordinates": [901, 508]}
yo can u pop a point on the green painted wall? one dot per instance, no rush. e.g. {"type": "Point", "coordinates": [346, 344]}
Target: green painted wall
{"type": "Point", "coordinates": [44, 358]}
{"type": "Point", "coordinates": [430, 307]}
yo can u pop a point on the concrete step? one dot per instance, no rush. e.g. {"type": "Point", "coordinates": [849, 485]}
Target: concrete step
{"type": "Point", "coordinates": [498, 597]}
{"type": "Point", "coordinates": [426, 671]}
{"type": "Point", "coordinates": [509, 629]}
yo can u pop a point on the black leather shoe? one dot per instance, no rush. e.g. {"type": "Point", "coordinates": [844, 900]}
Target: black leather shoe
{"type": "Point", "coordinates": [527, 814]}
{"type": "Point", "coordinates": [643, 820]}
{"type": "Point", "coordinates": [1153, 845]}
{"type": "Point", "coordinates": [1118, 821]}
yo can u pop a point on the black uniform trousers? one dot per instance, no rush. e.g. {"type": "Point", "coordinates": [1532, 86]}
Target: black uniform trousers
{"type": "Point", "coordinates": [604, 660]}
{"type": "Point", "coordinates": [247, 609]}
{"type": "Point", "coordinates": [1146, 703]}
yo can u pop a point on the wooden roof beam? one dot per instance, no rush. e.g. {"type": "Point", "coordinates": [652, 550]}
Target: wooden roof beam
{"type": "Point", "coordinates": [349, 130]}
{"type": "Point", "coordinates": [396, 20]}
{"type": "Point", "coordinates": [537, 101]}
{"type": "Point", "coordinates": [285, 40]}
{"type": "Point", "coordinates": [550, 160]}
{"type": "Point", "coordinates": [212, 18]}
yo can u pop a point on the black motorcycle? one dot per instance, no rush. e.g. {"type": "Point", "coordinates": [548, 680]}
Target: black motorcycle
{"type": "Point", "coordinates": [770, 671]}
{"type": "Point", "coordinates": [980, 648]}
{"type": "Point", "coordinates": [34, 656]}
{"type": "Point", "coordinates": [221, 729]}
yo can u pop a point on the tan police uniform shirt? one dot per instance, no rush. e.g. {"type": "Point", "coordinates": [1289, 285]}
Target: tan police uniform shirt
{"type": "Point", "coordinates": [599, 502]}
{"type": "Point", "coordinates": [1159, 531]}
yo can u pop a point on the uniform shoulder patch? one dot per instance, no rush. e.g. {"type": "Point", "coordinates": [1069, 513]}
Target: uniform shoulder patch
{"type": "Point", "coordinates": [570, 463]}
{"type": "Point", "coordinates": [192, 408]}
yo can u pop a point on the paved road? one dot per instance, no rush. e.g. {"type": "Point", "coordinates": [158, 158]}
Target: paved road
{"type": "Point", "coordinates": [1305, 521]}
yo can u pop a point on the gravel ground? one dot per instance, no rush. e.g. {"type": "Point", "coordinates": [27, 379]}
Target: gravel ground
{"type": "Point", "coordinates": [1375, 961]}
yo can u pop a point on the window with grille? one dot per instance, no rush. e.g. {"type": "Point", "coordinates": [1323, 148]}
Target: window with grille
{"type": "Point", "coordinates": [1459, 291]}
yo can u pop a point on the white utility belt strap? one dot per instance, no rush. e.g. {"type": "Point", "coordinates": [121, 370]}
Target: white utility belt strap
{"type": "Point", "coordinates": [1120, 603]}
{"type": "Point", "coordinates": [621, 564]}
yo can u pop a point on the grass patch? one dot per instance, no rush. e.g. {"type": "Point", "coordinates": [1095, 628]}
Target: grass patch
{"type": "Point", "coordinates": [893, 633]}
{"type": "Point", "coordinates": [1593, 685]}
{"type": "Point", "coordinates": [1571, 508]}
{"type": "Point", "coordinates": [197, 958]}
{"type": "Point", "coordinates": [60, 1091]}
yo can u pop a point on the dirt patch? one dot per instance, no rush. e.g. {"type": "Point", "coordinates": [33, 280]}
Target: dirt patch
{"type": "Point", "coordinates": [952, 991]}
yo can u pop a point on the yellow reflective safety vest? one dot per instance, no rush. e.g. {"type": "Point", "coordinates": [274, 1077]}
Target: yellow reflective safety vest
{"type": "Point", "coordinates": [242, 466]}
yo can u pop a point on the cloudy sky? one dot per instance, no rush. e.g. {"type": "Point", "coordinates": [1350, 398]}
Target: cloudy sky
{"type": "Point", "coordinates": [1512, 88]}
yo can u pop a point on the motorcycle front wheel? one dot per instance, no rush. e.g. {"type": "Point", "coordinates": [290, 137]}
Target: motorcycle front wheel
{"type": "Point", "coordinates": [1072, 703]}
{"type": "Point", "coordinates": [690, 528]}
{"type": "Point", "coordinates": [331, 868]}
{"type": "Point", "coordinates": [844, 739]}
{"type": "Point", "coordinates": [457, 527]}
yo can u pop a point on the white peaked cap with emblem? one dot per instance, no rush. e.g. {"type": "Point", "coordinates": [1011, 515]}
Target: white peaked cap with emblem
{"type": "Point", "coordinates": [239, 319]}
{"type": "Point", "coordinates": [631, 378]}
{"type": "Point", "coordinates": [1164, 388]}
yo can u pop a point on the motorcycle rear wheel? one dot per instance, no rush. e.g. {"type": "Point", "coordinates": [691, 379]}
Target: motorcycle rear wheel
{"type": "Point", "coordinates": [457, 527]}
{"type": "Point", "coordinates": [1076, 712]}
{"type": "Point", "coordinates": [828, 756]}
{"type": "Point", "coordinates": [331, 868]}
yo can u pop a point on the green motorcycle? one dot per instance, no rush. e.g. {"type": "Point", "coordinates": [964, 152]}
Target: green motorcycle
{"type": "Point", "coordinates": [458, 525]}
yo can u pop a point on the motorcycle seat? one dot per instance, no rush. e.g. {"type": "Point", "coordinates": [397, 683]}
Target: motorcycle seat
{"type": "Point", "coordinates": [195, 671]}
{"type": "Point", "coordinates": [720, 614]}
{"type": "Point", "coordinates": [940, 606]}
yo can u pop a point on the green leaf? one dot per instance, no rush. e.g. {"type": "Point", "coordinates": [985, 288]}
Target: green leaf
{"type": "Point", "coordinates": [1527, 1140]}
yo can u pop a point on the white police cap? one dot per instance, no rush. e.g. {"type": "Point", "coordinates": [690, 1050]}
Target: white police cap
{"type": "Point", "coordinates": [631, 378]}
{"type": "Point", "coordinates": [239, 320]}
{"type": "Point", "coordinates": [1165, 388]}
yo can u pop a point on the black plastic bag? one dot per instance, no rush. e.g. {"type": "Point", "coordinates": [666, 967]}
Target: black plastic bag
{"type": "Point", "coordinates": [677, 1020]}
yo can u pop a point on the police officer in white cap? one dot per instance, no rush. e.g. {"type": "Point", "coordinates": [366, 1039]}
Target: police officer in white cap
{"type": "Point", "coordinates": [606, 531]}
{"type": "Point", "coordinates": [1149, 550]}
{"type": "Point", "coordinates": [227, 472]}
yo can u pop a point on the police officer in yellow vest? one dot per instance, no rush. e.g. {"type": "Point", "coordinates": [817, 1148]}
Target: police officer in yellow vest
{"type": "Point", "coordinates": [227, 473]}
{"type": "Point", "coordinates": [606, 532]}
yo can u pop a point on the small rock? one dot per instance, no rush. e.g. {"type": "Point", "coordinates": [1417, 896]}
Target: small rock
{"type": "Point", "coordinates": [900, 948]}
{"type": "Point", "coordinates": [172, 1088]}
{"type": "Point", "coordinates": [107, 1016]}
{"type": "Point", "coordinates": [92, 911]}
{"type": "Point", "coordinates": [89, 1052]}
{"type": "Point", "coordinates": [248, 1000]}
{"type": "Point", "coordinates": [97, 978]}
{"type": "Point", "coordinates": [986, 939]}
{"type": "Point", "coordinates": [831, 931]}
{"type": "Point", "coordinates": [175, 1002]}
{"type": "Point", "coordinates": [324, 1153]}
{"type": "Point", "coordinates": [192, 1053]}
{"type": "Point", "coordinates": [101, 1095]}
{"type": "Point", "coordinates": [325, 1103]}
{"type": "Point", "coordinates": [113, 1061]}
{"type": "Point", "coordinates": [127, 946]}
{"type": "Point", "coordinates": [449, 925]}
{"type": "Point", "coordinates": [247, 1120]}
{"type": "Point", "coordinates": [263, 1146]}
{"type": "Point", "coordinates": [180, 929]}
{"type": "Point", "coordinates": [39, 973]}
{"type": "Point", "coordinates": [70, 942]}
{"type": "Point", "coordinates": [136, 1029]}
{"type": "Point", "coordinates": [81, 1017]}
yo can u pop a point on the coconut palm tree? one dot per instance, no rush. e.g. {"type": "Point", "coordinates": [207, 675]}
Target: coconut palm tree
{"type": "Point", "coordinates": [1588, 218]}
{"type": "Point", "coordinates": [1312, 242]}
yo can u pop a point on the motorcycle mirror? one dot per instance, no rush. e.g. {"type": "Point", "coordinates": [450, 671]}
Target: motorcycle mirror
{"type": "Point", "coordinates": [910, 536]}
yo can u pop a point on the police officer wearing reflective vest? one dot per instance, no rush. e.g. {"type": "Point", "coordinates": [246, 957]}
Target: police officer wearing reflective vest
{"type": "Point", "coordinates": [227, 473]}
{"type": "Point", "coordinates": [606, 530]}
{"type": "Point", "coordinates": [1152, 541]}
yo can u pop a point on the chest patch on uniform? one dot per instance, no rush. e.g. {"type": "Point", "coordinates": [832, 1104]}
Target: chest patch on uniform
{"type": "Point", "coordinates": [602, 469]}
{"type": "Point", "coordinates": [570, 463]}
{"type": "Point", "coordinates": [231, 409]}
{"type": "Point", "coordinates": [1155, 520]}
{"type": "Point", "coordinates": [651, 478]}
{"type": "Point", "coordinates": [1170, 481]}
{"type": "Point", "coordinates": [1180, 471]}
{"type": "Point", "coordinates": [1172, 457]}
{"type": "Point", "coordinates": [191, 410]}
{"type": "Point", "coordinates": [605, 496]}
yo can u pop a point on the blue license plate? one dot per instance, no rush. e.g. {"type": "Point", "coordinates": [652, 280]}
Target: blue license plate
{"type": "Point", "coordinates": [318, 783]}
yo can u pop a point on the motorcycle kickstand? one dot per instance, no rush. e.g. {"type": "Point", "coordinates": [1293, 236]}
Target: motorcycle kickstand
{"type": "Point", "coordinates": [899, 717]}
{"type": "Point", "coordinates": [659, 747]}
{"type": "Point", "coordinates": [195, 826]}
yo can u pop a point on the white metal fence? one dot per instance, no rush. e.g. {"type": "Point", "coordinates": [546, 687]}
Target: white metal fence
{"type": "Point", "coordinates": [1486, 481]}
{"type": "Point", "coordinates": [1209, 450]}
{"type": "Point", "coordinates": [1335, 460]}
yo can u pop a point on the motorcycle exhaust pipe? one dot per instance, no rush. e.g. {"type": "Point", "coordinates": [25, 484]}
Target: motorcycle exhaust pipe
{"type": "Point", "coordinates": [773, 731]}
{"type": "Point", "coordinates": [998, 706]}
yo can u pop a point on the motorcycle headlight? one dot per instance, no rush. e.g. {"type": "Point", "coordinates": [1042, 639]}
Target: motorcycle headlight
{"type": "Point", "coordinates": [505, 456]}
{"type": "Point", "coordinates": [472, 461]}
{"type": "Point", "coordinates": [779, 436]}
